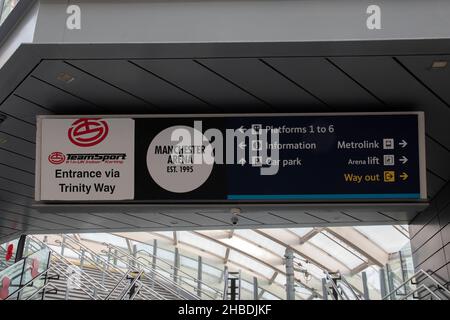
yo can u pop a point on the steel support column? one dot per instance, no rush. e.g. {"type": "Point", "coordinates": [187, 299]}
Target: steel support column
{"type": "Point", "coordinates": [199, 276]}
{"type": "Point", "coordinates": [382, 283]}
{"type": "Point", "coordinates": [255, 289]}
{"type": "Point", "coordinates": [290, 277]}
{"type": "Point", "coordinates": [365, 286]}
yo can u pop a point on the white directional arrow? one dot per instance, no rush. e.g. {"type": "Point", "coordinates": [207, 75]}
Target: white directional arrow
{"type": "Point", "coordinates": [241, 129]}
{"type": "Point", "coordinates": [403, 159]}
{"type": "Point", "coordinates": [403, 143]}
{"type": "Point", "coordinates": [242, 162]}
{"type": "Point", "coordinates": [242, 145]}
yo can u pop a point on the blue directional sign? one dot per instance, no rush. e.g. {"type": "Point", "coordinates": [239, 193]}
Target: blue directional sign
{"type": "Point", "coordinates": [287, 158]}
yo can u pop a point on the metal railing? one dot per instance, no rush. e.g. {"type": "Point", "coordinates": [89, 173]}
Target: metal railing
{"type": "Point", "coordinates": [87, 284]}
{"type": "Point", "coordinates": [183, 277]}
{"type": "Point", "coordinates": [108, 269]}
{"type": "Point", "coordinates": [413, 280]}
{"type": "Point", "coordinates": [156, 277]}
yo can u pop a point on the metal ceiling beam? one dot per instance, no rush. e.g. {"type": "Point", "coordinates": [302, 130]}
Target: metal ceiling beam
{"type": "Point", "coordinates": [361, 244]}
{"type": "Point", "coordinates": [250, 256]}
{"type": "Point", "coordinates": [310, 235]}
{"type": "Point", "coordinates": [317, 263]}
{"type": "Point", "coordinates": [359, 268]}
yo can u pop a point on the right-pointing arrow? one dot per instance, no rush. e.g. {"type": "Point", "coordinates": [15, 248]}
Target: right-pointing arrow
{"type": "Point", "coordinates": [404, 176]}
{"type": "Point", "coordinates": [403, 159]}
{"type": "Point", "coordinates": [403, 143]}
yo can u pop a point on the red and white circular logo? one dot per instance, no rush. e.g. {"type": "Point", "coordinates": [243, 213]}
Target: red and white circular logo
{"type": "Point", "coordinates": [88, 132]}
{"type": "Point", "coordinates": [56, 157]}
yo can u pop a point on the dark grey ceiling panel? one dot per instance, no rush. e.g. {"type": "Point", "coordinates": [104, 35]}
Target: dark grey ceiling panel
{"type": "Point", "coordinates": [369, 215]}
{"type": "Point", "coordinates": [21, 214]}
{"type": "Point", "coordinates": [22, 109]}
{"type": "Point", "coordinates": [438, 159]}
{"type": "Point", "coordinates": [70, 223]}
{"type": "Point", "coordinates": [265, 218]}
{"type": "Point", "coordinates": [50, 97]}
{"type": "Point", "coordinates": [17, 145]}
{"type": "Point", "coordinates": [14, 225]}
{"type": "Point", "coordinates": [16, 175]}
{"type": "Point", "coordinates": [90, 88]}
{"type": "Point", "coordinates": [194, 218]}
{"type": "Point", "coordinates": [223, 216]}
{"type": "Point", "coordinates": [297, 217]}
{"type": "Point", "coordinates": [400, 216]}
{"type": "Point", "coordinates": [323, 79]}
{"type": "Point", "coordinates": [4, 231]}
{"type": "Point", "coordinates": [18, 128]}
{"type": "Point", "coordinates": [434, 184]}
{"type": "Point", "coordinates": [163, 219]}
{"type": "Point", "coordinates": [434, 78]}
{"type": "Point", "coordinates": [9, 196]}
{"type": "Point", "coordinates": [204, 84]}
{"type": "Point", "coordinates": [138, 81]}
{"type": "Point", "coordinates": [266, 83]}
{"type": "Point", "coordinates": [333, 216]}
{"type": "Point", "coordinates": [395, 86]}
{"type": "Point", "coordinates": [90, 218]}
{"type": "Point", "coordinates": [26, 213]}
{"type": "Point", "coordinates": [130, 220]}
{"type": "Point", "coordinates": [17, 161]}
{"type": "Point", "coordinates": [16, 187]}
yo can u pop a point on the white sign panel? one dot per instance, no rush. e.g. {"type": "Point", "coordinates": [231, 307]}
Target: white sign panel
{"type": "Point", "coordinates": [86, 159]}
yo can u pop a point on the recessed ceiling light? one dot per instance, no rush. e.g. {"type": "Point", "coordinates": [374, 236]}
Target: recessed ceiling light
{"type": "Point", "coordinates": [439, 64]}
{"type": "Point", "coordinates": [65, 77]}
{"type": "Point", "coordinates": [173, 222]}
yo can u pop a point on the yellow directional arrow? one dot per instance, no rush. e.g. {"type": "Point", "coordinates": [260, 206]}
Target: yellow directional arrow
{"type": "Point", "coordinates": [404, 176]}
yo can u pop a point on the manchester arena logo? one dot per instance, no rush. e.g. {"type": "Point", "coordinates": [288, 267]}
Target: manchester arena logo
{"type": "Point", "coordinates": [56, 158]}
{"type": "Point", "coordinates": [88, 132]}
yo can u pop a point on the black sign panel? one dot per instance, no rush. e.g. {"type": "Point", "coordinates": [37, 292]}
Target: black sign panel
{"type": "Point", "coordinates": [280, 158]}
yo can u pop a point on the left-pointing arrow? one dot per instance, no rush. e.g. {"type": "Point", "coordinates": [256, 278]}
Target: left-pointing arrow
{"type": "Point", "coordinates": [404, 176]}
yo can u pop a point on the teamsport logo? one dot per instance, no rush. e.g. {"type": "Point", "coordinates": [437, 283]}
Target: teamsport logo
{"type": "Point", "coordinates": [56, 158]}
{"type": "Point", "coordinates": [101, 157]}
{"type": "Point", "coordinates": [88, 132]}
{"type": "Point", "coordinates": [87, 158]}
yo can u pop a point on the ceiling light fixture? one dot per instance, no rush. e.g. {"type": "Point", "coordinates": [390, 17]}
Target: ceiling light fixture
{"type": "Point", "coordinates": [439, 64]}
{"type": "Point", "coordinates": [65, 77]}
{"type": "Point", "coordinates": [2, 117]}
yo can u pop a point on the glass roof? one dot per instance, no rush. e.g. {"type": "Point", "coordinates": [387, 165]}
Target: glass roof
{"type": "Point", "coordinates": [387, 237]}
